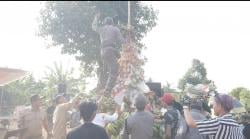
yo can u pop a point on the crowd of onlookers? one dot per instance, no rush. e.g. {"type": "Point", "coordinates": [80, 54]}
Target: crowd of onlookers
{"type": "Point", "coordinates": [188, 119]}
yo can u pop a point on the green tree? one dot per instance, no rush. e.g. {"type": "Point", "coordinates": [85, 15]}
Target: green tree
{"type": "Point", "coordinates": [245, 98]}
{"type": "Point", "coordinates": [243, 95]}
{"type": "Point", "coordinates": [68, 25]}
{"type": "Point", "coordinates": [58, 75]}
{"type": "Point", "coordinates": [236, 92]}
{"type": "Point", "coordinates": [197, 74]}
{"type": "Point", "coordinates": [167, 88]}
{"type": "Point", "coordinates": [21, 90]}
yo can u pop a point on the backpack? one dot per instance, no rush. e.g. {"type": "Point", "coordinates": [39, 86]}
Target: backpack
{"type": "Point", "coordinates": [179, 128]}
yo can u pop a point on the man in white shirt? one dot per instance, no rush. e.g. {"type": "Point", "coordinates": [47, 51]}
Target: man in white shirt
{"type": "Point", "coordinates": [60, 116]}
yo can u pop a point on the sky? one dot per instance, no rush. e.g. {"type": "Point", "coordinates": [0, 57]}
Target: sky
{"type": "Point", "coordinates": [217, 33]}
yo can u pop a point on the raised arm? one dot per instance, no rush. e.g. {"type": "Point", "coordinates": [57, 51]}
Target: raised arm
{"type": "Point", "coordinates": [119, 36]}
{"type": "Point", "coordinates": [187, 114]}
{"type": "Point", "coordinates": [188, 117]}
{"type": "Point", "coordinates": [72, 102]}
{"type": "Point", "coordinates": [95, 23]}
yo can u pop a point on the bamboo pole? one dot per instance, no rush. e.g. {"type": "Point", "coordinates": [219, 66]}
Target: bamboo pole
{"type": "Point", "coordinates": [129, 23]}
{"type": "Point", "coordinates": [129, 19]}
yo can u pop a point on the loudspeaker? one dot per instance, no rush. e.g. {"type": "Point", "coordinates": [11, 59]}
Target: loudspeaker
{"type": "Point", "coordinates": [156, 87]}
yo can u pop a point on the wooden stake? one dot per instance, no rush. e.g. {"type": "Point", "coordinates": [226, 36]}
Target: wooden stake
{"type": "Point", "coordinates": [129, 21]}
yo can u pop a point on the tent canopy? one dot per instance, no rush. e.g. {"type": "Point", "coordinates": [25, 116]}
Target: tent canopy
{"type": "Point", "coordinates": [8, 75]}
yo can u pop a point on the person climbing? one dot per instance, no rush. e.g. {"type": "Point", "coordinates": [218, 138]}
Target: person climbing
{"type": "Point", "coordinates": [111, 37]}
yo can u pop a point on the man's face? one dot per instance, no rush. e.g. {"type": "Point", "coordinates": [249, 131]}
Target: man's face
{"type": "Point", "coordinates": [217, 108]}
{"type": "Point", "coordinates": [37, 103]}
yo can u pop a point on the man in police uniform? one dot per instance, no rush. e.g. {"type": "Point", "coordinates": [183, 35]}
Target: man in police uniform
{"type": "Point", "coordinates": [32, 120]}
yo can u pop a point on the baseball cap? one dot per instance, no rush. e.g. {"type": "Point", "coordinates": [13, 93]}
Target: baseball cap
{"type": "Point", "coordinates": [167, 98]}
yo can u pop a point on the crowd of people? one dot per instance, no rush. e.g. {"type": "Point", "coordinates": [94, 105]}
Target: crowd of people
{"type": "Point", "coordinates": [77, 119]}
{"type": "Point", "coordinates": [185, 120]}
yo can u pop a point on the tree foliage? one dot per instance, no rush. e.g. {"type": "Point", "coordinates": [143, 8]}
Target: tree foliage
{"type": "Point", "coordinates": [245, 98]}
{"type": "Point", "coordinates": [68, 25]}
{"type": "Point", "coordinates": [168, 88]}
{"type": "Point", "coordinates": [197, 74]}
{"type": "Point", "coordinates": [236, 92]}
{"type": "Point", "coordinates": [243, 95]}
{"type": "Point", "coordinates": [57, 75]}
{"type": "Point", "coordinates": [21, 90]}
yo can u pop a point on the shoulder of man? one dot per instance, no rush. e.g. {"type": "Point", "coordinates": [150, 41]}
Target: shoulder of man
{"type": "Point", "coordinates": [131, 118]}
{"type": "Point", "coordinates": [99, 128]}
{"type": "Point", "coordinates": [76, 131]}
{"type": "Point", "coordinates": [171, 115]}
{"type": "Point", "coordinates": [102, 132]}
{"type": "Point", "coordinates": [63, 106]}
{"type": "Point", "coordinates": [171, 112]}
{"type": "Point", "coordinates": [151, 115]}
{"type": "Point", "coordinates": [73, 133]}
{"type": "Point", "coordinates": [116, 28]}
{"type": "Point", "coordinates": [25, 111]}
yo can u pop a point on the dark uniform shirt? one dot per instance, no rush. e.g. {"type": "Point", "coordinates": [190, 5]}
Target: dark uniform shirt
{"type": "Point", "coordinates": [110, 35]}
{"type": "Point", "coordinates": [88, 131]}
{"type": "Point", "coordinates": [246, 131]}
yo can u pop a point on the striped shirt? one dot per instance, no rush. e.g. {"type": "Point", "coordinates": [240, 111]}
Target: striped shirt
{"type": "Point", "coordinates": [220, 128]}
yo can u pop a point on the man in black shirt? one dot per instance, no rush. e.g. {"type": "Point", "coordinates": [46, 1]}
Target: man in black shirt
{"type": "Point", "coordinates": [88, 130]}
{"type": "Point", "coordinates": [246, 123]}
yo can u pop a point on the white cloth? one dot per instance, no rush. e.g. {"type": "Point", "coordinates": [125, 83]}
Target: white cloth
{"type": "Point", "coordinates": [163, 111]}
{"type": "Point", "coordinates": [131, 93]}
{"type": "Point", "coordinates": [102, 119]}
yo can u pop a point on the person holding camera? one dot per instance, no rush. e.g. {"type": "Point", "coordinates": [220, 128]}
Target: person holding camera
{"type": "Point", "coordinates": [197, 114]}
{"type": "Point", "coordinates": [222, 127]}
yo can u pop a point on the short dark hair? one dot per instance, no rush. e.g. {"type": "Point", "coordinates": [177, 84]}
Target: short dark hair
{"type": "Point", "coordinates": [140, 102]}
{"type": "Point", "coordinates": [34, 98]}
{"type": "Point", "coordinates": [225, 101]}
{"type": "Point", "coordinates": [87, 109]}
